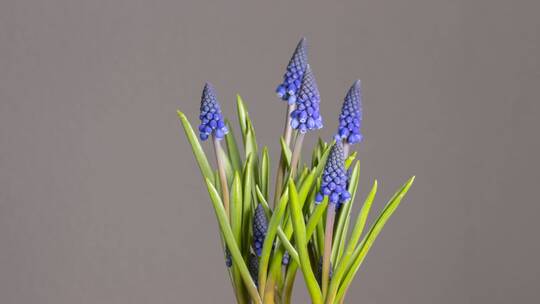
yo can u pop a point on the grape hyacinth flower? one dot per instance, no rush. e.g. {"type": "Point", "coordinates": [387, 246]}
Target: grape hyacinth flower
{"type": "Point", "coordinates": [260, 226]}
{"type": "Point", "coordinates": [212, 122]}
{"type": "Point", "coordinates": [287, 90]}
{"type": "Point", "coordinates": [253, 267]}
{"type": "Point", "coordinates": [292, 78]}
{"type": "Point", "coordinates": [333, 185]}
{"type": "Point", "coordinates": [334, 178]}
{"type": "Point", "coordinates": [307, 114]}
{"type": "Point", "coordinates": [350, 119]}
{"type": "Point", "coordinates": [285, 259]}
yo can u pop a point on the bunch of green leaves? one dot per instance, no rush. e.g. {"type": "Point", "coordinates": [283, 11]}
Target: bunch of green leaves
{"type": "Point", "coordinates": [295, 222]}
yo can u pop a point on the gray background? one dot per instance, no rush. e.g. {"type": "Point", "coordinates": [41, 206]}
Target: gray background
{"type": "Point", "coordinates": [100, 198]}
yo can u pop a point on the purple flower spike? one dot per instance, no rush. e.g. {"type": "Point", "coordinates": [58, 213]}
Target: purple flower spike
{"type": "Point", "coordinates": [306, 116]}
{"type": "Point", "coordinates": [334, 178]}
{"type": "Point", "coordinates": [211, 118]}
{"type": "Point", "coordinates": [350, 119]}
{"type": "Point", "coordinates": [292, 79]}
{"type": "Point", "coordinates": [260, 226]}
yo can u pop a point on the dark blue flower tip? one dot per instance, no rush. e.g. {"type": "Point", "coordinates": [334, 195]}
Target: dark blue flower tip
{"type": "Point", "coordinates": [286, 258]}
{"type": "Point", "coordinates": [318, 271]}
{"type": "Point", "coordinates": [260, 227]}
{"type": "Point", "coordinates": [307, 114]}
{"type": "Point", "coordinates": [334, 178]}
{"type": "Point", "coordinates": [350, 119]}
{"type": "Point", "coordinates": [292, 78]}
{"type": "Point", "coordinates": [212, 122]}
{"type": "Point", "coordinates": [228, 258]}
{"type": "Point", "coordinates": [253, 267]}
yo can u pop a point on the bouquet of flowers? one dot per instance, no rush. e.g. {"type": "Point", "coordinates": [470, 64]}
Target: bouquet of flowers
{"type": "Point", "coordinates": [305, 224]}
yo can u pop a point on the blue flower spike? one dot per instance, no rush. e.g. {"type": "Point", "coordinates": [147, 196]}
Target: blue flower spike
{"type": "Point", "coordinates": [307, 114]}
{"type": "Point", "coordinates": [292, 79]}
{"type": "Point", "coordinates": [260, 227]}
{"type": "Point", "coordinates": [334, 178]}
{"type": "Point", "coordinates": [350, 119]}
{"type": "Point", "coordinates": [212, 122]}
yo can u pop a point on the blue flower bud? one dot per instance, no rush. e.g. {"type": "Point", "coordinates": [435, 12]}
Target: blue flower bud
{"type": "Point", "coordinates": [253, 266]}
{"type": "Point", "coordinates": [295, 72]}
{"type": "Point", "coordinates": [306, 116]}
{"type": "Point", "coordinates": [211, 118]}
{"type": "Point", "coordinates": [286, 258]}
{"type": "Point", "coordinates": [350, 119]}
{"type": "Point", "coordinates": [334, 178]}
{"type": "Point", "coordinates": [260, 227]}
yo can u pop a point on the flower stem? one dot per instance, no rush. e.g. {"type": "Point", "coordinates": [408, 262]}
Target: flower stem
{"type": "Point", "coordinates": [329, 231]}
{"type": "Point", "coordinates": [220, 154]}
{"type": "Point", "coordinates": [346, 148]}
{"type": "Point", "coordinates": [287, 134]}
{"type": "Point", "coordinates": [296, 153]}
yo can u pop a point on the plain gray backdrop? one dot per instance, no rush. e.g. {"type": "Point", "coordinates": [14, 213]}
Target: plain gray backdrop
{"type": "Point", "coordinates": [100, 197]}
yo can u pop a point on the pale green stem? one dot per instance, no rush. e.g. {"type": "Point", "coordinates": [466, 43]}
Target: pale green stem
{"type": "Point", "coordinates": [346, 148]}
{"type": "Point", "coordinates": [329, 231]}
{"type": "Point", "coordinates": [297, 152]}
{"type": "Point", "coordinates": [287, 134]}
{"type": "Point", "coordinates": [220, 154]}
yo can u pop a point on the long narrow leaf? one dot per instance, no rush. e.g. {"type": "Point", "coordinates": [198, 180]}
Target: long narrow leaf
{"type": "Point", "coordinates": [198, 152]}
{"type": "Point", "coordinates": [362, 250]}
{"type": "Point", "coordinates": [344, 214]}
{"type": "Point", "coordinates": [301, 244]}
{"type": "Point", "coordinates": [232, 148]}
{"type": "Point", "coordinates": [355, 236]}
{"type": "Point", "coordinates": [231, 243]}
{"type": "Point", "coordinates": [265, 172]}
{"type": "Point", "coordinates": [273, 225]}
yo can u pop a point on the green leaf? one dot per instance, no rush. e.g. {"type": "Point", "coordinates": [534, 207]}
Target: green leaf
{"type": "Point", "coordinates": [350, 159]}
{"type": "Point", "coordinates": [265, 171]}
{"type": "Point", "coordinates": [341, 267]}
{"type": "Point", "coordinates": [232, 148]}
{"type": "Point", "coordinates": [286, 152]}
{"type": "Point", "coordinates": [273, 225]}
{"type": "Point", "coordinates": [242, 116]}
{"type": "Point", "coordinates": [236, 226]}
{"type": "Point", "coordinates": [236, 208]}
{"type": "Point", "coordinates": [344, 215]}
{"type": "Point", "coordinates": [264, 203]}
{"type": "Point", "coordinates": [362, 250]}
{"type": "Point", "coordinates": [198, 152]}
{"type": "Point", "coordinates": [231, 243]}
{"type": "Point", "coordinates": [247, 204]}
{"type": "Point", "coordinates": [301, 244]}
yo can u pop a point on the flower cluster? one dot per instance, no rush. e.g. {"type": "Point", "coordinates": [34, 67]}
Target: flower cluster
{"type": "Point", "coordinates": [212, 122]}
{"type": "Point", "coordinates": [295, 72]}
{"type": "Point", "coordinates": [334, 178]}
{"type": "Point", "coordinates": [350, 119]}
{"type": "Point", "coordinates": [253, 267]}
{"type": "Point", "coordinates": [306, 116]}
{"type": "Point", "coordinates": [260, 226]}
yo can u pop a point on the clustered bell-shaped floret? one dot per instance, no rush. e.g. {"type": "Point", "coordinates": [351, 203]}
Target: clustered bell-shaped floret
{"type": "Point", "coordinates": [253, 267]}
{"type": "Point", "coordinates": [307, 114]}
{"type": "Point", "coordinates": [334, 178]}
{"type": "Point", "coordinates": [292, 78]}
{"type": "Point", "coordinates": [260, 227]}
{"type": "Point", "coordinates": [350, 119]}
{"type": "Point", "coordinates": [212, 122]}
{"type": "Point", "coordinates": [286, 258]}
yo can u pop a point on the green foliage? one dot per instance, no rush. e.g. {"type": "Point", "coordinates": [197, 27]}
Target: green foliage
{"type": "Point", "coordinates": [295, 224]}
